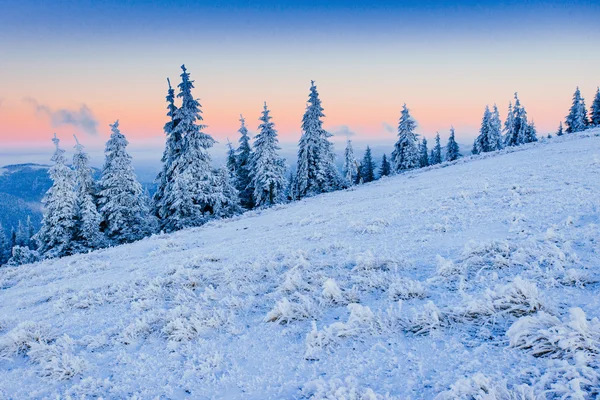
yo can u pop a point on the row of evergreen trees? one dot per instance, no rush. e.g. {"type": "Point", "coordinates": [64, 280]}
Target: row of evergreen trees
{"type": "Point", "coordinates": [81, 214]}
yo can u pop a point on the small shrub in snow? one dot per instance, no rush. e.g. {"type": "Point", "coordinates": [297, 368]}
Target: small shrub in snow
{"type": "Point", "coordinates": [480, 387]}
{"type": "Point", "coordinates": [361, 320]}
{"type": "Point", "coordinates": [405, 289]}
{"type": "Point", "coordinates": [19, 340]}
{"type": "Point", "coordinates": [332, 293]}
{"type": "Point", "coordinates": [544, 335]}
{"type": "Point", "coordinates": [577, 277]}
{"type": "Point", "coordinates": [431, 318]}
{"type": "Point", "coordinates": [285, 311]}
{"type": "Point", "coordinates": [570, 379]}
{"type": "Point", "coordinates": [336, 389]}
{"type": "Point", "coordinates": [369, 262]}
{"type": "Point", "coordinates": [518, 298]}
{"type": "Point", "coordinates": [494, 254]}
{"type": "Point", "coordinates": [370, 227]}
{"type": "Point", "coordinates": [184, 324]}
{"type": "Point", "coordinates": [447, 268]}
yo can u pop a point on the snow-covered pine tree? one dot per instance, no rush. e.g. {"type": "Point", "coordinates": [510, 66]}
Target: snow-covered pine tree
{"type": "Point", "coordinates": [87, 234]}
{"type": "Point", "coordinates": [359, 178]}
{"type": "Point", "coordinates": [22, 255]}
{"type": "Point", "coordinates": [406, 152]}
{"type": "Point", "coordinates": [452, 150]}
{"type": "Point", "coordinates": [368, 167]}
{"type": "Point", "coordinates": [423, 154]}
{"type": "Point", "coordinates": [530, 133]}
{"type": "Point", "coordinates": [510, 133]}
{"type": "Point", "coordinates": [349, 169]}
{"type": "Point", "coordinates": [60, 204]}
{"type": "Point", "coordinates": [436, 153]}
{"type": "Point", "coordinates": [560, 131]}
{"type": "Point", "coordinates": [521, 125]}
{"type": "Point", "coordinates": [231, 160]}
{"type": "Point", "coordinates": [22, 238]}
{"type": "Point", "coordinates": [316, 170]}
{"type": "Point", "coordinates": [595, 110]}
{"type": "Point", "coordinates": [243, 155]}
{"type": "Point", "coordinates": [495, 131]}
{"type": "Point", "coordinates": [228, 198]}
{"type": "Point", "coordinates": [5, 248]}
{"type": "Point", "coordinates": [194, 192]}
{"type": "Point", "coordinates": [267, 170]}
{"type": "Point", "coordinates": [30, 229]}
{"type": "Point", "coordinates": [577, 120]}
{"type": "Point", "coordinates": [482, 142]}
{"type": "Point", "coordinates": [121, 202]}
{"type": "Point", "coordinates": [386, 168]}
{"type": "Point", "coordinates": [173, 146]}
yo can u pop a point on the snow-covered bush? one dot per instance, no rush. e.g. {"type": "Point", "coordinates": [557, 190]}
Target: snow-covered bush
{"type": "Point", "coordinates": [577, 277]}
{"type": "Point", "coordinates": [285, 311]}
{"type": "Point", "coordinates": [426, 321]}
{"type": "Point", "coordinates": [185, 324]}
{"type": "Point", "coordinates": [337, 389]}
{"type": "Point", "coordinates": [447, 268]}
{"type": "Point", "coordinates": [374, 226]}
{"type": "Point", "coordinates": [570, 379]}
{"type": "Point", "coordinates": [56, 360]}
{"type": "Point", "coordinates": [332, 293]}
{"type": "Point", "coordinates": [20, 339]}
{"type": "Point", "coordinates": [492, 254]}
{"type": "Point", "coordinates": [481, 387]}
{"type": "Point", "coordinates": [405, 289]}
{"type": "Point", "coordinates": [518, 298]}
{"type": "Point", "coordinates": [360, 321]}
{"type": "Point", "coordinates": [23, 255]}
{"type": "Point", "coordinates": [544, 335]}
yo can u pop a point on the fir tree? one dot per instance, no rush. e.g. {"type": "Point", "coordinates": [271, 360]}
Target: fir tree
{"type": "Point", "coordinates": [30, 229]}
{"type": "Point", "coordinates": [530, 133]}
{"type": "Point", "coordinates": [577, 120]}
{"type": "Point", "coordinates": [350, 169]}
{"type": "Point", "coordinates": [316, 171]}
{"type": "Point", "coordinates": [595, 111]}
{"type": "Point", "coordinates": [358, 180]}
{"type": "Point", "coordinates": [194, 189]}
{"type": "Point", "coordinates": [121, 202]}
{"type": "Point", "coordinates": [386, 168]}
{"type": "Point", "coordinates": [495, 130]}
{"type": "Point", "coordinates": [87, 234]}
{"type": "Point", "coordinates": [483, 142]}
{"type": "Point", "coordinates": [22, 255]}
{"type": "Point", "coordinates": [424, 154]}
{"type": "Point", "coordinates": [5, 247]}
{"type": "Point", "coordinates": [406, 153]}
{"type": "Point", "coordinates": [21, 239]}
{"type": "Point", "coordinates": [244, 154]}
{"type": "Point", "coordinates": [173, 147]}
{"type": "Point", "coordinates": [560, 132]}
{"type": "Point", "coordinates": [227, 200]}
{"type": "Point", "coordinates": [436, 153]}
{"type": "Point", "coordinates": [452, 150]}
{"type": "Point", "coordinates": [521, 124]}
{"type": "Point", "coordinates": [267, 168]}
{"type": "Point", "coordinates": [368, 167]}
{"type": "Point", "coordinates": [231, 160]}
{"type": "Point", "coordinates": [60, 205]}
{"type": "Point", "coordinates": [510, 133]}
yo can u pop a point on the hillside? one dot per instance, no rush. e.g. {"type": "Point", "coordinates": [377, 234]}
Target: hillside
{"type": "Point", "coordinates": [477, 277]}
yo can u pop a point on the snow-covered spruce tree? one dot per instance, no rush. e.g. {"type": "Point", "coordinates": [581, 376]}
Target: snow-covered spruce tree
{"type": "Point", "coordinates": [22, 238]}
{"type": "Point", "coordinates": [495, 131]}
{"type": "Point", "coordinates": [386, 168]}
{"type": "Point", "coordinates": [406, 152]}
{"type": "Point", "coordinates": [173, 147]}
{"type": "Point", "coordinates": [595, 110]}
{"type": "Point", "coordinates": [60, 204]}
{"type": "Point", "coordinates": [191, 200]}
{"type": "Point", "coordinates": [560, 131]}
{"type": "Point", "coordinates": [482, 142]}
{"type": "Point", "coordinates": [87, 234]}
{"type": "Point", "coordinates": [5, 248]}
{"type": "Point", "coordinates": [368, 167]}
{"type": "Point", "coordinates": [359, 178]}
{"type": "Point", "coordinates": [30, 232]}
{"type": "Point", "coordinates": [243, 155]}
{"type": "Point", "coordinates": [577, 120]}
{"type": "Point", "coordinates": [452, 150]}
{"type": "Point", "coordinates": [227, 202]}
{"type": "Point", "coordinates": [267, 170]}
{"type": "Point", "coordinates": [436, 153]}
{"type": "Point", "coordinates": [124, 212]}
{"type": "Point", "coordinates": [423, 154]}
{"type": "Point", "coordinates": [522, 127]}
{"type": "Point", "coordinates": [350, 169]}
{"type": "Point", "coordinates": [510, 134]}
{"type": "Point", "coordinates": [22, 255]}
{"type": "Point", "coordinates": [316, 170]}
{"type": "Point", "coordinates": [231, 160]}
{"type": "Point", "coordinates": [530, 133]}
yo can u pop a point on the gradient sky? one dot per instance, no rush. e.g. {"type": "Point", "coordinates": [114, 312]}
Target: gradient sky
{"type": "Point", "coordinates": [75, 66]}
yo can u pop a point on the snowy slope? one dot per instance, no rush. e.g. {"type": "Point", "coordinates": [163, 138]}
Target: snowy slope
{"type": "Point", "coordinates": [403, 288]}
